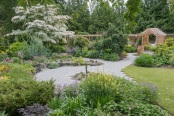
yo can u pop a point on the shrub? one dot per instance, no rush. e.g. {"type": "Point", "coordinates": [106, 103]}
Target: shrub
{"type": "Point", "coordinates": [84, 52]}
{"type": "Point", "coordinates": [16, 60]}
{"type": "Point", "coordinates": [35, 110]}
{"type": "Point", "coordinates": [107, 43]}
{"type": "Point", "coordinates": [93, 54]}
{"type": "Point", "coordinates": [68, 105]}
{"type": "Point", "coordinates": [71, 105]}
{"type": "Point", "coordinates": [18, 71]}
{"type": "Point", "coordinates": [110, 57]}
{"type": "Point", "coordinates": [102, 94]}
{"type": "Point", "coordinates": [130, 49]}
{"type": "Point", "coordinates": [78, 60]}
{"type": "Point", "coordinates": [144, 92]}
{"type": "Point", "coordinates": [81, 42]}
{"type": "Point", "coordinates": [100, 88]}
{"type": "Point", "coordinates": [136, 108]}
{"type": "Point", "coordinates": [21, 93]}
{"type": "Point", "coordinates": [98, 45]}
{"type": "Point", "coordinates": [70, 91]}
{"type": "Point", "coordinates": [123, 55]}
{"type": "Point", "coordinates": [52, 65]}
{"type": "Point", "coordinates": [149, 47]}
{"type": "Point", "coordinates": [55, 103]}
{"type": "Point", "coordinates": [34, 49]}
{"type": "Point", "coordinates": [3, 56]}
{"type": "Point", "coordinates": [172, 60]}
{"type": "Point", "coordinates": [15, 48]}
{"type": "Point", "coordinates": [162, 54]}
{"type": "Point", "coordinates": [152, 48]}
{"type": "Point", "coordinates": [159, 61]}
{"type": "Point", "coordinates": [144, 60]}
{"type": "Point", "coordinates": [115, 42]}
{"type": "Point", "coordinates": [57, 48]}
{"type": "Point", "coordinates": [78, 53]}
{"type": "Point", "coordinates": [4, 68]}
{"type": "Point", "coordinates": [119, 41]}
{"type": "Point", "coordinates": [170, 42]}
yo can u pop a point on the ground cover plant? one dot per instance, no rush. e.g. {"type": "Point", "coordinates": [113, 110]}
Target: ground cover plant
{"type": "Point", "coordinates": [161, 77]}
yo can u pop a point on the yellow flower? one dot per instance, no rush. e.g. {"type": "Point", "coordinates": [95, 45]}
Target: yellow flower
{"type": "Point", "coordinates": [4, 77]}
{"type": "Point", "coordinates": [4, 68]}
{"type": "Point", "coordinates": [3, 52]}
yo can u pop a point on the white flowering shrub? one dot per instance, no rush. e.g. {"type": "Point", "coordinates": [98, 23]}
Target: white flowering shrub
{"type": "Point", "coordinates": [42, 23]}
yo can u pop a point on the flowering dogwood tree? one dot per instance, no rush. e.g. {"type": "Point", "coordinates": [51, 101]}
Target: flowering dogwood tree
{"type": "Point", "coordinates": [42, 23]}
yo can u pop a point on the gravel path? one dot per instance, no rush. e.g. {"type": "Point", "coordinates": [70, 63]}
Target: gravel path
{"type": "Point", "coordinates": [62, 75]}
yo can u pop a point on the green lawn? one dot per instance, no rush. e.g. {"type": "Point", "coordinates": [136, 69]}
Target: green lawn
{"type": "Point", "coordinates": [163, 78]}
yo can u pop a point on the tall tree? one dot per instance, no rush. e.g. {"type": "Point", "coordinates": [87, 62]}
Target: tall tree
{"type": "Point", "coordinates": [131, 13]}
{"type": "Point", "coordinates": [29, 3]}
{"type": "Point", "coordinates": [79, 13]}
{"type": "Point", "coordinates": [155, 13]}
{"type": "Point", "coordinates": [101, 17]}
{"type": "Point", "coordinates": [6, 14]}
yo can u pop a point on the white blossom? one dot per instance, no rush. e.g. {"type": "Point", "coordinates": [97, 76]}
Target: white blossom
{"type": "Point", "coordinates": [43, 23]}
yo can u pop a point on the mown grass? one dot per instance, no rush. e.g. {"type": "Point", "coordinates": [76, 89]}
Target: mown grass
{"type": "Point", "coordinates": [163, 78]}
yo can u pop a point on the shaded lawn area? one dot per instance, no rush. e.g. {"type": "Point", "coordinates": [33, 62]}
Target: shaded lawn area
{"type": "Point", "coordinates": [163, 78]}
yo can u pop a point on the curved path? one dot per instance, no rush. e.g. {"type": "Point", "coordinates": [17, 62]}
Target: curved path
{"type": "Point", "coordinates": [62, 75]}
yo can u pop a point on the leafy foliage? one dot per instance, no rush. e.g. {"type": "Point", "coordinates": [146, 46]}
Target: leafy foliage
{"type": "Point", "coordinates": [144, 60]}
{"type": "Point", "coordinates": [79, 60]}
{"type": "Point", "coordinates": [155, 13]}
{"type": "Point", "coordinates": [6, 14]}
{"type": "Point", "coordinates": [132, 108]}
{"type": "Point", "coordinates": [3, 56]}
{"type": "Point", "coordinates": [132, 10]}
{"type": "Point", "coordinates": [93, 54]}
{"type": "Point", "coordinates": [2, 113]}
{"type": "Point", "coordinates": [14, 48]}
{"type": "Point", "coordinates": [162, 54]}
{"type": "Point", "coordinates": [34, 2]}
{"type": "Point", "coordinates": [35, 109]}
{"type": "Point", "coordinates": [34, 49]}
{"type": "Point", "coordinates": [108, 89]}
{"type": "Point", "coordinates": [102, 94]}
{"type": "Point", "coordinates": [52, 65]}
{"type": "Point", "coordinates": [171, 61]}
{"type": "Point", "coordinates": [3, 43]}
{"type": "Point", "coordinates": [20, 93]}
{"type": "Point", "coordinates": [130, 49]}
{"type": "Point", "coordinates": [18, 71]}
{"type": "Point", "coordinates": [81, 42]}
{"type": "Point", "coordinates": [113, 44]}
